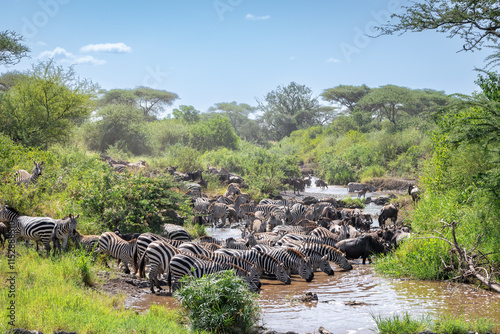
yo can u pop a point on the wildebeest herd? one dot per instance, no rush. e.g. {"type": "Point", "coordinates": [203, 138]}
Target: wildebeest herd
{"type": "Point", "coordinates": [279, 238]}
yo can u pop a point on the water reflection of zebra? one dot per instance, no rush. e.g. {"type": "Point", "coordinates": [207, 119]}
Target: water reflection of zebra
{"type": "Point", "coordinates": [29, 228]}
{"type": "Point", "coordinates": [26, 178]}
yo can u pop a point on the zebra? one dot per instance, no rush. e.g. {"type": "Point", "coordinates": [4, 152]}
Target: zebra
{"type": "Point", "coordinates": [331, 253]}
{"type": "Point", "coordinates": [210, 239]}
{"type": "Point", "coordinates": [4, 231]}
{"type": "Point", "coordinates": [87, 242]}
{"type": "Point", "coordinates": [176, 232]}
{"type": "Point", "coordinates": [295, 237]}
{"type": "Point", "coordinates": [318, 261]}
{"type": "Point", "coordinates": [26, 178]}
{"type": "Point", "coordinates": [232, 189]}
{"type": "Point", "coordinates": [322, 232]}
{"type": "Point", "coordinates": [145, 239]}
{"type": "Point", "coordinates": [232, 243]}
{"type": "Point", "coordinates": [201, 205]}
{"type": "Point", "coordinates": [295, 214]}
{"type": "Point", "coordinates": [184, 264]}
{"type": "Point", "coordinates": [264, 262]}
{"type": "Point", "coordinates": [63, 230]}
{"type": "Point", "coordinates": [29, 228]}
{"type": "Point", "coordinates": [193, 248]}
{"type": "Point", "coordinates": [292, 259]}
{"type": "Point", "coordinates": [218, 211]}
{"type": "Point", "coordinates": [210, 246]}
{"type": "Point", "coordinates": [158, 253]}
{"type": "Point", "coordinates": [123, 251]}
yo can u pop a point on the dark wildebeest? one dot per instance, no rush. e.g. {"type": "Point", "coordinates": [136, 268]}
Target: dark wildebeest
{"type": "Point", "coordinates": [362, 246]}
{"type": "Point", "coordinates": [321, 184]}
{"type": "Point", "coordinates": [388, 211]}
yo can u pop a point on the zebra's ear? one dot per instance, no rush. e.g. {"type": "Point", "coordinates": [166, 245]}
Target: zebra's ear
{"type": "Point", "coordinates": [41, 163]}
{"type": "Point", "coordinates": [77, 216]}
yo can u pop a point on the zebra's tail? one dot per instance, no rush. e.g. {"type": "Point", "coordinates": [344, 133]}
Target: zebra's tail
{"type": "Point", "coordinates": [142, 265]}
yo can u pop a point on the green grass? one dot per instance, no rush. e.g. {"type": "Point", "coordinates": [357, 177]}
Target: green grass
{"type": "Point", "coordinates": [443, 324]}
{"type": "Point", "coordinates": [51, 295]}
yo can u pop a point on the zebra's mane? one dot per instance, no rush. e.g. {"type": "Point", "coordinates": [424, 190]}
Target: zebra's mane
{"type": "Point", "coordinates": [12, 209]}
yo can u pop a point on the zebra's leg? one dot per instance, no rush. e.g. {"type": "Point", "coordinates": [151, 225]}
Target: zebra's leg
{"type": "Point", "coordinates": [65, 244]}
{"type": "Point", "coordinates": [153, 278]}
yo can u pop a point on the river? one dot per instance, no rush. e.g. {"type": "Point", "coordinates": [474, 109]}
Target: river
{"type": "Point", "coordinates": [374, 295]}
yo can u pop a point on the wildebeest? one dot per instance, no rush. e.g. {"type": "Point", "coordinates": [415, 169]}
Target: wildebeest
{"type": "Point", "coordinates": [388, 211]}
{"type": "Point", "coordinates": [321, 184]}
{"type": "Point", "coordinates": [362, 246]}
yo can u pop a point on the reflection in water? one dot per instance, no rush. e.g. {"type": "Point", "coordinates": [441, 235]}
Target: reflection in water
{"type": "Point", "coordinates": [379, 296]}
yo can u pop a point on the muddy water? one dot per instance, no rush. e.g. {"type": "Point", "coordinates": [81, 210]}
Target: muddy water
{"type": "Point", "coordinates": [371, 294]}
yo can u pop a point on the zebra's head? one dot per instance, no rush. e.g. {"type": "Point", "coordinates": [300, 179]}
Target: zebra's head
{"type": "Point", "coordinates": [37, 170]}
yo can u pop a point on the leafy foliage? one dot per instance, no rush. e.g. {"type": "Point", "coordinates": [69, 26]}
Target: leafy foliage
{"type": "Point", "coordinates": [42, 106]}
{"type": "Point", "coordinates": [219, 302]}
{"type": "Point", "coordinates": [212, 134]}
{"type": "Point", "coordinates": [11, 48]}
{"type": "Point", "coordinates": [130, 202]}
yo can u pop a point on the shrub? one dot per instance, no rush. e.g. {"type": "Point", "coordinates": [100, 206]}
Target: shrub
{"type": "Point", "coordinates": [132, 202]}
{"type": "Point", "coordinates": [219, 302]}
{"type": "Point", "coordinates": [336, 170]}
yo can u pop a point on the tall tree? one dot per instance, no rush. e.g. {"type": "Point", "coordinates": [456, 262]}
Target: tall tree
{"type": "Point", "coordinates": [290, 108]}
{"type": "Point", "coordinates": [41, 108]}
{"type": "Point", "coordinates": [187, 113]}
{"type": "Point", "coordinates": [237, 113]}
{"type": "Point", "coordinates": [387, 101]}
{"type": "Point", "coordinates": [151, 101]}
{"type": "Point", "coordinates": [345, 95]}
{"type": "Point", "coordinates": [477, 22]}
{"type": "Point", "coordinates": [11, 48]}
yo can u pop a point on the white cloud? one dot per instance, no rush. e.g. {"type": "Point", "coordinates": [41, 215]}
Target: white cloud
{"type": "Point", "coordinates": [252, 17]}
{"type": "Point", "coordinates": [41, 43]}
{"type": "Point", "coordinates": [333, 60]}
{"type": "Point", "coordinates": [107, 47]}
{"type": "Point", "coordinates": [68, 57]}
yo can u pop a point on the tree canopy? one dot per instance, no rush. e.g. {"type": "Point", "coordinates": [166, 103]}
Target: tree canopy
{"type": "Point", "coordinates": [290, 108]}
{"type": "Point", "coordinates": [43, 105]}
{"type": "Point", "coordinates": [11, 48]}
{"type": "Point", "coordinates": [345, 95]}
{"type": "Point", "coordinates": [476, 22]}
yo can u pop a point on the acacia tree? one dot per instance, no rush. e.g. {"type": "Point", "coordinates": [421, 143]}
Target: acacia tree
{"type": "Point", "coordinates": [290, 108]}
{"type": "Point", "coordinates": [387, 101]}
{"type": "Point", "coordinates": [346, 95]}
{"type": "Point", "coordinates": [151, 101]}
{"type": "Point", "coordinates": [41, 107]}
{"type": "Point", "coordinates": [11, 48]}
{"type": "Point", "coordinates": [187, 113]}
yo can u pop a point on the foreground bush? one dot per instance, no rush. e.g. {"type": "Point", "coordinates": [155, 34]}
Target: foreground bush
{"type": "Point", "coordinates": [219, 302]}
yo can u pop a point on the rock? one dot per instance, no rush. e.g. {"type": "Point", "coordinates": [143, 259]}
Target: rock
{"type": "Point", "coordinates": [382, 200]}
{"type": "Point", "coordinates": [306, 298]}
{"type": "Point", "coordinates": [322, 330]}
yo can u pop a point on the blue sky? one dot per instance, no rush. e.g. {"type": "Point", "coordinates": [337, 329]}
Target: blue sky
{"type": "Point", "coordinates": [236, 50]}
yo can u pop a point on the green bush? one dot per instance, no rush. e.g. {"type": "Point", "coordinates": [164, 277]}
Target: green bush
{"type": "Point", "coordinates": [336, 170]}
{"type": "Point", "coordinates": [130, 201]}
{"type": "Point", "coordinates": [219, 302]}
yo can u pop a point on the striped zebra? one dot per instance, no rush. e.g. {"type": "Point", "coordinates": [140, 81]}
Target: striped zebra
{"type": "Point", "coordinates": [26, 178]}
{"type": "Point", "coordinates": [176, 232]}
{"type": "Point", "coordinates": [265, 263]}
{"type": "Point", "coordinates": [4, 232]}
{"type": "Point", "coordinates": [87, 242]}
{"type": "Point", "coordinates": [193, 248]}
{"type": "Point", "coordinates": [210, 239]}
{"type": "Point", "coordinates": [232, 243]}
{"type": "Point", "coordinates": [158, 254]}
{"type": "Point", "coordinates": [319, 207]}
{"type": "Point", "coordinates": [211, 246]}
{"type": "Point", "coordinates": [216, 212]}
{"type": "Point", "coordinates": [292, 259]}
{"type": "Point", "coordinates": [318, 261]}
{"type": "Point", "coordinates": [63, 230]}
{"type": "Point", "coordinates": [295, 237]}
{"type": "Point", "coordinates": [331, 253]}
{"type": "Point", "coordinates": [322, 232]}
{"type": "Point", "coordinates": [185, 264]}
{"type": "Point", "coordinates": [295, 214]}
{"type": "Point", "coordinates": [278, 202]}
{"type": "Point", "coordinates": [29, 228]}
{"type": "Point", "coordinates": [201, 205]}
{"type": "Point", "coordinates": [145, 239]}
{"type": "Point", "coordinates": [123, 251]}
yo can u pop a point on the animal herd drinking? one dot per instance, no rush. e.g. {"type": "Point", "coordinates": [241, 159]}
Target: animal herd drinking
{"type": "Point", "coordinates": [278, 238]}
